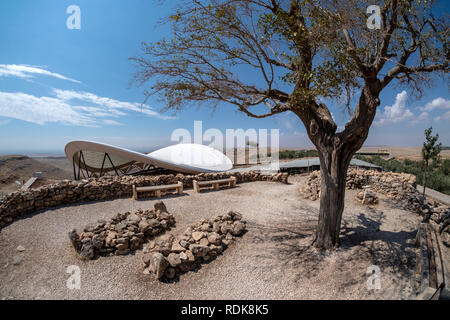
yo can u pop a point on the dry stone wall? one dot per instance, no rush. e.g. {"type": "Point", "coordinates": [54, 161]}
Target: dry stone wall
{"type": "Point", "coordinates": [400, 187]}
{"type": "Point", "coordinates": [123, 234]}
{"type": "Point", "coordinates": [105, 188]}
{"type": "Point", "coordinates": [168, 256]}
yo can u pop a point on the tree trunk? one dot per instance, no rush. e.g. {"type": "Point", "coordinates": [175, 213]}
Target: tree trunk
{"type": "Point", "coordinates": [333, 168]}
{"type": "Point", "coordinates": [335, 152]}
{"type": "Point", "coordinates": [425, 177]}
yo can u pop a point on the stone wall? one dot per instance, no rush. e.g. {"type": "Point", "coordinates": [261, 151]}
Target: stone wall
{"type": "Point", "coordinates": [105, 188]}
{"type": "Point", "coordinates": [123, 234]}
{"type": "Point", "coordinates": [400, 187]}
{"type": "Point", "coordinates": [168, 256]}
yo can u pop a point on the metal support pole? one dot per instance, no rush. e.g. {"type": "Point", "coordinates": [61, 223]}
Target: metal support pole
{"type": "Point", "coordinates": [79, 164]}
{"type": "Point", "coordinates": [85, 167]}
{"type": "Point", "coordinates": [117, 173]}
{"type": "Point", "coordinates": [103, 163]}
{"type": "Point", "coordinates": [73, 164]}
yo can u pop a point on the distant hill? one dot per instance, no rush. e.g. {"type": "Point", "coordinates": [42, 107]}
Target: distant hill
{"type": "Point", "coordinates": [20, 168]}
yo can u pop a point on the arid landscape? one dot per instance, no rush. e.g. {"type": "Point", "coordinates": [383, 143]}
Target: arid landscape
{"type": "Point", "coordinates": [411, 153]}
{"type": "Point", "coordinates": [273, 260]}
{"type": "Point", "coordinates": [21, 168]}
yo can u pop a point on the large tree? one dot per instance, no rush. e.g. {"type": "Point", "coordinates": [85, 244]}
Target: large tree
{"type": "Point", "coordinates": [271, 56]}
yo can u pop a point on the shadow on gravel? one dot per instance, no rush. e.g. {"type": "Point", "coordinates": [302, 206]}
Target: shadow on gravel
{"type": "Point", "coordinates": [395, 204]}
{"type": "Point", "coordinates": [385, 249]}
{"type": "Point", "coordinates": [288, 246]}
{"type": "Point", "coordinates": [206, 191]}
{"type": "Point", "coordinates": [163, 197]}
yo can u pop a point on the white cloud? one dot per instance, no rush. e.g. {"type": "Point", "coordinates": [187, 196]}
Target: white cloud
{"type": "Point", "coordinates": [111, 122]}
{"type": "Point", "coordinates": [445, 116]}
{"type": "Point", "coordinates": [438, 103]}
{"type": "Point", "coordinates": [27, 72]}
{"type": "Point", "coordinates": [111, 105]}
{"type": "Point", "coordinates": [424, 116]}
{"type": "Point", "coordinates": [395, 113]}
{"type": "Point", "coordinates": [99, 112]}
{"type": "Point", "coordinates": [63, 109]}
{"type": "Point", "coordinates": [40, 110]}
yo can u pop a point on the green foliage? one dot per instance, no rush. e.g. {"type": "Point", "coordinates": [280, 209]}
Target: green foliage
{"type": "Point", "coordinates": [296, 154]}
{"type": "Point", "coordinates": [430, 149]}
{"type": "Point", "coordinates": [438, 176]}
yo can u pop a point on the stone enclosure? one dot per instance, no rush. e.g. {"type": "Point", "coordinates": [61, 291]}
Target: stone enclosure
{"type": "Point", "coordinates": [169, 256]}
{"type": "Point", "coordinates": [400, 187]}
{"type": "Point", "coordinates": [19, 203]}
{"type": "Point", "coordinates": [122, 234]}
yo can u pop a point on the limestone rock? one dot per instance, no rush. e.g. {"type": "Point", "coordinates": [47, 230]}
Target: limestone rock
{"type": "Point", "coordinates": [158, 264]}
{"type": "Point", "coordinates": [177, 248]}
{"type": "Point", "coordinates": [174, 259]}
{"type": "Point", "coordinates": [87, 250]}
{"type": "Point", "coordinates": [214, 238]}
{"type": "Point", "coordinates": [197, 235]}
{"type": "Point", "coordinates": [160, 206]}
{"type": "Point", "coordinates": [75, 240]}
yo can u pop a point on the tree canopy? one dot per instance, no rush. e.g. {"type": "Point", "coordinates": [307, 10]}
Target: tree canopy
{"type": "Point", "coordinates": [303, 50]}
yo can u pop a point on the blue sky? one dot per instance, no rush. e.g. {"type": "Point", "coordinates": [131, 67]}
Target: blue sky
{"type": "Point", "coordinates": [58, 85]}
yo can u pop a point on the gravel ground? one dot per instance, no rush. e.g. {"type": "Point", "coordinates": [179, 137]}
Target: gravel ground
{"type": "Point", "coordinates": [273, 260]}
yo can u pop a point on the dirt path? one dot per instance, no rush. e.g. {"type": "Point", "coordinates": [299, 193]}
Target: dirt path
{"type": "Point", "coordinates": [274, 260]}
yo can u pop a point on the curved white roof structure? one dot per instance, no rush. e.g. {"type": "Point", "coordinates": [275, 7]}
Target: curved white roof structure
{"type": "Point", "coordinates": [96, 159]}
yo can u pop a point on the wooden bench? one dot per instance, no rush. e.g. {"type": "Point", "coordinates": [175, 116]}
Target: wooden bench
{"type": "Point", "coordinates": [28, 184]}
{"type": "Point", "coordinates": [157, 189]}
{"type": "Point", "coordinates": [231, 182]}
{"type": "Point", "coordinates": [432, 265]}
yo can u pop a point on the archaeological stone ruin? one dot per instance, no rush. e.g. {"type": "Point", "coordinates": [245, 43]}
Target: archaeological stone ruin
{"type": "Point", "coordinates": [169, 256]}
{"type": "Point", "coordinates": [19, 203]}
{"type": "Point", "coordinates": [400, 187]}
{"type": "Point", "coordinates": [122, 234]}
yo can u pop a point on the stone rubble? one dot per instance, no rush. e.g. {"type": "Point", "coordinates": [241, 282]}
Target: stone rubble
{"type": "Point", "coordinates": [400, 187]}
{"type": "Point", "coordinates": [367, 197]}
{"type": "Point", "coordinates": [19, 203]}
{"type": "Point", "coordinates": [122, 234]}
{"type": "Point", "coordinates": [168, 256]}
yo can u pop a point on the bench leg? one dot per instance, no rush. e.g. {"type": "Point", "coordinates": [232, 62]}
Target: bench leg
{"type": "Point", "coordinates": [233, 181]}
{"type": "Point", "coordinates": [158, 193]}
{"type": "Point", "coordinates": [180, 188]}
{"type": "Point", "coordinates": [134, 193]}
{"type": "Point", "coordinates": [216, 186]}
{"type": "Point", "coordinates": [196, 186]}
